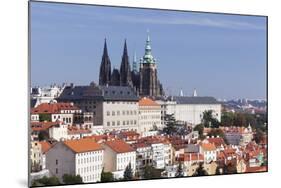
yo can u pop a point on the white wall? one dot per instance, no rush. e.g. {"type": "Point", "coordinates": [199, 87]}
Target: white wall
{"type": "Point", "coordinates": [128, 113]}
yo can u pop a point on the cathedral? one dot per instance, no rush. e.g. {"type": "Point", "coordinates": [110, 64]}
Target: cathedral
{"type": "Point", "coordinates": [144, 80]}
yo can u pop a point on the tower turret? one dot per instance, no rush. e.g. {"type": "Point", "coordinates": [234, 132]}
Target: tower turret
{"type": "Point", "coordinates": [105, 67]}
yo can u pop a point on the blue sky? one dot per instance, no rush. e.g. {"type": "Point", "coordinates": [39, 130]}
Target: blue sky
{"type": "Point", "coordinates": [220, 55]}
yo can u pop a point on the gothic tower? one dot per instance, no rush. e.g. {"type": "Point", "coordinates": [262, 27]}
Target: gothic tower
{"type": "Point", "coordinates": [149, 83]}
{"type": "Point", "coordinates": [125, 70]}
{"type": "Point", "coordinates": [105, 67]}
{"type": "Point", "coordinates": [135, 74]}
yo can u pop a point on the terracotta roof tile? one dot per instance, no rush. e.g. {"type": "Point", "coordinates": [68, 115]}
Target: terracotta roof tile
{"type": "Point", "coordinates": [51, 108]}
{"type": "Point", "coordinates": [208, 146]}
{"type": "Point", "coordinates": [119, 146]}
{"type": "Point", "coordinates": [147, 102]}
{"type": "Point", "coordinates": [82, 145]}
{"type": "Point", "coordinates": [45, 146]}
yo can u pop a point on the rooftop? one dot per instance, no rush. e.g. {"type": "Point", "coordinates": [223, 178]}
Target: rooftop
{"type": "Point", "coordinates": [194, 100]}
{"type": "Point", "coordinates": [147, 102]}
{"type": "Point", "coordinates": [82, 145]}
{"type": "Point", "coordinates": [119, 146]}
{"type": "Point", "coordinates": [51, 108]}
{"type": "Point", "coordinates": [115, 93]}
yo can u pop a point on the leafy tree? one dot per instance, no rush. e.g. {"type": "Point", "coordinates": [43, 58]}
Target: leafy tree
{"type": "Point", "coordinates": [72, 179]}
{"type": "Point", "coordinates": [171, 125]}
{"type": "Point", "coordinates": [200, 171]}
{"type": "Point", "coordinates": [227, 119]}
{"type": "Point", "coordinates": [128, 173]}
{"type": "Point", "coordinates": [240, 120]}
{"type": "Point", "coordinates": [106, 176]}
{"type": "Point", "coordinates": [151, 173]}
{"type": "Point", "coordinates": [45, 117]}
{"type": "Point", "coordinates": [200, 129]}
{"type": "Point", "coordinates": [45, 181]}
{"type": "Point", "coordinates": [180, 172]}
{"type": "Point", "coordinates": [216, 132]}
{"type": "Point", "coordinates": [207, 118]}
{"type": "Point", "coordinates": [43, 135]}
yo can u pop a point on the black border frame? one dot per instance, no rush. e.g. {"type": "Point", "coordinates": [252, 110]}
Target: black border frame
{"type": "Point", "coordinates": [144, 8]}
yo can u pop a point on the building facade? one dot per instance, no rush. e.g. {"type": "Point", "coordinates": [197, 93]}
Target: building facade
{"type": "Point", "coordinates": [149, 116]}
{"type": "Point", "coordinates": [117, 156]}
{"type": "Point", "coordinates": [113, 107]}
{"type": "Point", "coordinates": [81, 157]}
{"type": "Point", "coordinates": [189, 110]}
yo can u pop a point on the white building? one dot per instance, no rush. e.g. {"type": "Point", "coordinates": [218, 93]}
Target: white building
{"type": "Point", "coordinates": [64, 112]}
{"type": "Point", "coordinates": [58, 131]}
{"type": "Point", "coordinates": [158, 158]}
{"type": "Point", "coordinates": [143, 156]}
{"type": "Point", "coordinates": [82, 157]}
{"type": "Point", "coordinates": [45, 94]}
{"type": "Point", "coordinates": [117, 156]}
{"type": "Point", "coordinates": [113, 107]}
{"type": "Point", "coordinates": [189, 110]}
{"type": "Point", "coordinates": [149, 116]}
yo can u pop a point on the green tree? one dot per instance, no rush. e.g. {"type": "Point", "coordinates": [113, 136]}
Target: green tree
{"type": "Point", "coordinates": [180, 172]}
{"type": "Point", "coordinates": [171, 125]}
{"type": "Point", "coordinates": [216, 132]}
{"type": "Point", "coordinates": [72, 179]}
{"type": "Point", "coordinates": [227, 119]}
{"type": "Point", "coordinates": [45, 117]}
{"type": "Point", "coordinates": [45, 181]}
{"type": "Point", "coordinates": [207, 118]}
{"type": "Point", "coordinates": [240, 120]}
{"type": "Point", "coordinates": [200, 171]}
{"type": "Point", "coordinates": [43, 135]}
{"type": "Point", "coordinates": [106, 176]}
{"type": "Point", "coordinates": [200, 129]}
{"type": "Point", "coordinates": [151, 173]}
{"type": "Point", "coordinates": [128, 173]}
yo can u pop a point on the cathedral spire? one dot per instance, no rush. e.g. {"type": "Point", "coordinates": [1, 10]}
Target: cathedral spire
{"type": "Point", "coordinates": [148, 58]}
{"type": "Point", "coordinates": [125, 70]}
{"type": "Point", "coordinates": [125, 52]}
{"type": "Point", "coordinates": [105, 53]}
{"type": "Point", "coordinates": [105, 67]}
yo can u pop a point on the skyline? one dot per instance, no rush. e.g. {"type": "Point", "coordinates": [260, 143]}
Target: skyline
{"type": "Point", "coordinates": [79, 32]}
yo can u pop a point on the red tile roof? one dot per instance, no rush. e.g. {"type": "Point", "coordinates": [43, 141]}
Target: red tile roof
{"type": "Point", "coordinates": [147, 102]}
{"type": "Point", "coordinates": [208, 146]}
{"type": "Point", "coordinates": [82, 145]}
{"type": "Point", "coordinates": [119, 146]}
{"type": "Point", "coordinates": [52, 108]}
{"type": "Point", "coordinates": [75, 130]}
{"type": "Point", "coordinates": [45, 146]}
{"type": "Point", "coordinates": [191, 157]}
{"type": "Point", "coordinates": [43, 126]}
{"type": "Point", "coordinates": [216, 141]}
